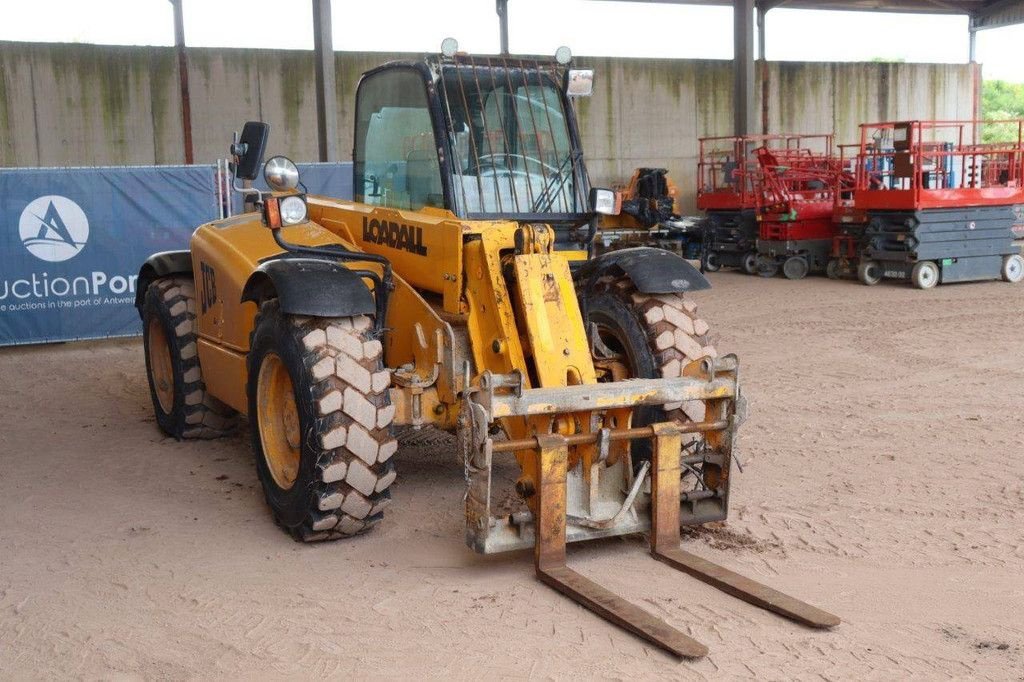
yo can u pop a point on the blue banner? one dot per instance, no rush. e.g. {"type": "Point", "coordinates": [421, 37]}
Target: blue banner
{"type": "Point", "coordinates": [72, 241]}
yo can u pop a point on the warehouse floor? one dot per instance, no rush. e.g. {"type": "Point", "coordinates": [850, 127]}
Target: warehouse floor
{"type": "Point", "coordinates": [884, 481]}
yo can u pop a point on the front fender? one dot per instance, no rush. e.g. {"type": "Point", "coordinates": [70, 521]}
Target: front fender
{"type": "Point", "coordinates": [161, 265]}
{"type": "Point", "coordinates": [652, 271]}
{"type": "Point", "coordinates": [308, 286]}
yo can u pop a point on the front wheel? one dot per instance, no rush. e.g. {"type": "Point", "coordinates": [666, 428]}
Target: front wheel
{"type": "Point", "coordinates": [320, 418]}
{"type": "Point", "coordinates": [648, 337]}
{"type": "Point", "coordinates": [750, 264]}
{"type": "Point", "coordinates": [1013, 269]}
{"type": "Point", "coordinates": [712, 263]}
{"type": "Point", "coordinates": [833, 270]}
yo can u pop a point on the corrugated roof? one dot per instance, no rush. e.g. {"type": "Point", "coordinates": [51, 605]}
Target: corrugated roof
{"type": "Point", "coordinates": [984, 13]}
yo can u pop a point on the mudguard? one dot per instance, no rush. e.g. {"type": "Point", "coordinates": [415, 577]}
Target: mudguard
{"type": "Point", "coordinates": [308, 286]}
{"type": "Point", "coordinates": [161, 265]}
{"type": "Point", "coordinates": [653, 271]}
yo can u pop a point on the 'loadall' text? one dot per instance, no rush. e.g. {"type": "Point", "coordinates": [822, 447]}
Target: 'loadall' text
{"type": "Point", "coordinates": [396, 235]}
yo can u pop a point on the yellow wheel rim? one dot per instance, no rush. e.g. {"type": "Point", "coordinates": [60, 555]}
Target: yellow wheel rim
{"type": "Point", "coordinates": [160, 367]}
{"type": "Point", "coordinates": [278, 420]}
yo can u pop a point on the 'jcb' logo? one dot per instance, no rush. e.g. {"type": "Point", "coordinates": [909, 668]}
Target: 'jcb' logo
{"type": "Point", "coordinates": [397, 236]}
{"type": "Point", "coordinates": [208, 295]}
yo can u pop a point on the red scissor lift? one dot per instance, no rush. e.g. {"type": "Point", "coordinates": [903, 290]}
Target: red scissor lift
{"type": "Point", "coordinates": [929, 206]}
{"type": "Point", "coordinates": [726, 170]}
{"type": "Point", "coordinates": [795, 192]}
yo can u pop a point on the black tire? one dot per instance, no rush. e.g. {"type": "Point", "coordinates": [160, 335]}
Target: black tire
{"type": "Point", "coordinates": [749, 264]}
{"type": "Point", "coordinates": [712, 263]}
{"type": "Point", "coordinates": [869, 272]}
{"type": "Point", "coordinates": [182, 406]}
{"type": "Point", "coordinates": [658, 335]}
{"type": "Point", "coordinates": [833, 269]}
{"type": "Point", "coordinates": [925, 275]}
{"type": "Point", "coordinates": [767, 267]}
{"type": "Point", "coordinates": [342, 480]}
{"type": "Point", "coordinates": [795, 267]}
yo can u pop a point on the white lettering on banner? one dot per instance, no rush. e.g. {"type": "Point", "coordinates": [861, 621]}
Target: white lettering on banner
{"type": "Point", "coordinates": [40, 286]}
{"type": "Point", "coordinates": [54, 228]}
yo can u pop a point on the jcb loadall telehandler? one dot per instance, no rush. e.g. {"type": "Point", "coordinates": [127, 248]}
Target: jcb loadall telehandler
{"type": "Point", "coordinates": [455, 292]}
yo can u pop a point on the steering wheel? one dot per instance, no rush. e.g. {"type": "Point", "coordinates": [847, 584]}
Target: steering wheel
{"type": "Point", "coordinates": [489, 166]}
{"type": "Point", "coordinates": [492, 159]}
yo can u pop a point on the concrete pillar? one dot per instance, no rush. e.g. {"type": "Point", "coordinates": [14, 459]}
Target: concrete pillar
{"type": "Point", "coordinates": [326, 97]}
{"type": "Point", "coordinates": [744, 113]}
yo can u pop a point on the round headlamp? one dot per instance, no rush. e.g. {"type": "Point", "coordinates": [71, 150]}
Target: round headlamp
{"type": "Point", "coordinates": [293, 210]}
{"type": "Point", "coordinates": [449, 46]}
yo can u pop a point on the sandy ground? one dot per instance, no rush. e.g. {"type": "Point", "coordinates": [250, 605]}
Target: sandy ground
{"type": "Point", "coordinates": [884, 481]}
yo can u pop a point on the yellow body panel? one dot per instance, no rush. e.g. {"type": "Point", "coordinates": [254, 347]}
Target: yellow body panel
{"type": "Point", "coordinates": [225, 374]}
{"type": "Point", "coordinates": [451, 303]}
{"type": "Point", "coordinates": [425, 248]}
{"type": "Point", "coordinates": [554, 324]}
{"type": "Point", "coordinates": [224, 255]}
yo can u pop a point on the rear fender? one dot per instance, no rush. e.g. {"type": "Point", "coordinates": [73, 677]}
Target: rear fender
{"type": "Point", "coordinates": [308, 286]}
{"type": "Point", "coordinates": [652, 271]}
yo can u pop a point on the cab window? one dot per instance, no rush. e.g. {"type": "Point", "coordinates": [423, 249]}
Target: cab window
{"type": "Point", "coordinates": [396, 156]}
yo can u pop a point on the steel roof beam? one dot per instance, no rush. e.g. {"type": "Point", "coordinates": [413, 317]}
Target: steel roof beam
{"type": "Point", "coordinates": [326, 95]}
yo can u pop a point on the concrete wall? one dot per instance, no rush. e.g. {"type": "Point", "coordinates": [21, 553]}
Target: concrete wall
{"type": "Point", "coordinates": [72, 105]}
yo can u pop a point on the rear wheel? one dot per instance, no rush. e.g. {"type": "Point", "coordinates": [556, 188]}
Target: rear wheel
{"type": "Point", "coordinates": [833, 270]}
{"type": "Point", "coordinates": [320, 417]}
{"type": "Point", "coordinates": [712, 263]}
{"type": "Point", "coordinates": [795, 267]}
{"type": "Point", "coordinates": [925, 274]}
{"type": "Point", "coordinates": [182, 406]}
{"type": "Point", "coordinates": [869, 272]}
{"type": "Point", "coordinates": [1013, 268]}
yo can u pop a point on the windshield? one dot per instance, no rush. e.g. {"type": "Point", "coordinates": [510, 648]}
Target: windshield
{"type": "Point", "coordinates": [511, 148]}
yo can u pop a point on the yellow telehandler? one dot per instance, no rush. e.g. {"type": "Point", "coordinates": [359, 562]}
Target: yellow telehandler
{"type": "Point", "coordinates": [457, 292]}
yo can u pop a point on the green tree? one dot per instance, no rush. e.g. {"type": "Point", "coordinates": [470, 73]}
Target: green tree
{"type": "Point", "coordinates": [1000, 101]}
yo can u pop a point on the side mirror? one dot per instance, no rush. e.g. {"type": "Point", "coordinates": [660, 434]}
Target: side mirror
{"type": "Point", "coordinates": [579, 82]}
{"type": "Point", "coordinates": [605, 201]}
{"type": "Point", "coordinates": [249, 149]}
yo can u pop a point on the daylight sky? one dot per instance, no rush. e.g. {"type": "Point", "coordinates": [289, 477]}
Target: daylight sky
{"type": "Point", "coordinates": [536, 27]}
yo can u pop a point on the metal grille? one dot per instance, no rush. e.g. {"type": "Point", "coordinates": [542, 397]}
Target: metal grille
{"type": "Point", "coordinates": [511, 139]}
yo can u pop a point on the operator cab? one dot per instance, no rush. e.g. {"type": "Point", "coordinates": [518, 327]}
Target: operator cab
{"type": "Point", "coordinates": [486, 138]}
